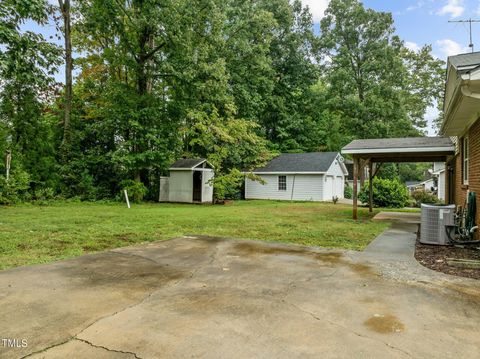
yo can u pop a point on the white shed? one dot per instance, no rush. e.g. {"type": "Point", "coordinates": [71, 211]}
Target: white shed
{"type": "Point", "coordinates": [316, 176]}
{"type": "Point", "coordinates": [190, 181]}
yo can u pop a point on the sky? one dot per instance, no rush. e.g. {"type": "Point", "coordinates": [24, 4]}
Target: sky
{"type": "Point", "coordinates": [417, 22]}
{"type": "Point", "coordinates": [425, 22]}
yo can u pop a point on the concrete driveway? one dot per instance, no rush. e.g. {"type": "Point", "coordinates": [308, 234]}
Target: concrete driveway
{"type": "Point", "coordinates": [209, 298]}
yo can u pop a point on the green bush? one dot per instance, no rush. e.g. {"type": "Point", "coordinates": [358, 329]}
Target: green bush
{"type": "Point", "coordinates": [421, 196]}
{"type": "Point", "coordinates": [386, 193]}
{"type": "Point", "coordinates": [227, 186]}
{"type": "Point", "coordinates": [348, 192]}
{"type": "Point", "coordinates": [44, 195]}
{"type": "Point", "coordinates": [16, 188]}
{"type": "Point", "coordinates": [136, 190]}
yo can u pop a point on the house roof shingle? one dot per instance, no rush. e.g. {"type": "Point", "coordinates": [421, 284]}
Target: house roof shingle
{"type": "Point", "coordinates": [300, 162]}
{"type": "Point", "coordinates": [464, 60]}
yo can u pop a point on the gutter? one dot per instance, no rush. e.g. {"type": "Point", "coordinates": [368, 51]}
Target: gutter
{"type": "Point", "coordinates": [467, 92]}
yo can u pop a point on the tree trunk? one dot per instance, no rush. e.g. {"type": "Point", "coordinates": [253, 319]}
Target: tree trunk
{"type": "Point", "coordinates": [65, 10]}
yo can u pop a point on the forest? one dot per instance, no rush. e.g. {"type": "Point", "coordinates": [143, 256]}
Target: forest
{"type": "Point", "coordinates": [236, 82]}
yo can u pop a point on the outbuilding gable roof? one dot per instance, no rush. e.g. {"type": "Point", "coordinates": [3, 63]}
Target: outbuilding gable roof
{"type": "Point", "coordinates": [188, 163]}
{"type": "Point", "coordinates": [313, 162]}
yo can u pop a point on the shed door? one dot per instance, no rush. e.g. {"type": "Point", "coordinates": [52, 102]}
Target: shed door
{"type": "Point", "coordinates": [197, 186]}
{"type": "Point", "coordinates": [339, 186]}
{"type": "Point", "coordinates": [328, 189]}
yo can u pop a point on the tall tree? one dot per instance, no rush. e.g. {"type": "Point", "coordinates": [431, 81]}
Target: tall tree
{"type": "Point", "coordinates": [382, 89]}
{"type": "Point", "coordinates": [27, 65]}
{"type": "Point", "coordinates": [67, 34]}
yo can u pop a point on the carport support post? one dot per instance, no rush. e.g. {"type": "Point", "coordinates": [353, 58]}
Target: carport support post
{"type": "Point", "coordinates": [355, 186]}
{"type": "Point", "coordinates": [370, 186]}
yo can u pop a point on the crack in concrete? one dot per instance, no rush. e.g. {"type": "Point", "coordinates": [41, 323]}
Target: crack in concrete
{"type": "Point", "coordinates": [314, 316]}
{"type": "Point", "coordinates": [47, 348]}
{"type": "Point", "coordinates": [143, 300]}
{"type": "Point", "coordinates": [108, 349]}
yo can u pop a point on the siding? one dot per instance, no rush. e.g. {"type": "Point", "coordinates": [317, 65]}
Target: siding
{"type": "Point", "coordinates": [305, 188]}
{"type": "Point", "coordinates": [207, 188]}
{"type": "Point", "coordinates": [474, 169]}
{"type": "Point", "coordinates": [180, 186]}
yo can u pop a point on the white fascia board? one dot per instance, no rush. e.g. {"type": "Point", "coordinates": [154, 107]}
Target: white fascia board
{"type": "Point", "coordinates": [399, 150]}
{"type": "Point", "coordinates": [191, 169]}
{"type": "Point", "coordinates": [287, 173]}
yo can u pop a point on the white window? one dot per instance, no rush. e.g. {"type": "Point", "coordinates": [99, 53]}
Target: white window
{"type": "Point", "coordinates": [282, 183]}
{"type": "Point", "coordinates": [465, 155]}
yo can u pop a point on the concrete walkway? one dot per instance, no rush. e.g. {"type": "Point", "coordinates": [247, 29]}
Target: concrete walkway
{"type": "Point", "coordinates": [206, 297]}
{"type": "Point", "coordinates": [392, 253]}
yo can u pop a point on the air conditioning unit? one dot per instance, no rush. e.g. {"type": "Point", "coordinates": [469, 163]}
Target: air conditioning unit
{"type": "Point", "coordinates": [433, 221]}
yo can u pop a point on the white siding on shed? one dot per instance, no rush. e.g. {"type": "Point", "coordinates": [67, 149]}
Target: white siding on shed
{"type": "Point", "coordinates": [299, 188]}
{"type": "Point", "coordinates": [207, 188]}
{"type": "Point", "coordinates": [180, 186]}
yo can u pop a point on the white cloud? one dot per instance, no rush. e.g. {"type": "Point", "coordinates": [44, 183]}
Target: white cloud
{"type": "Point", "coordinates": [454, 8]}
{"type": "Point", "coordinates": [449, 47]}
{"type": "Point", "coordinates": [412, 46]}
{"type": "Point", "coordinates": [317, 8]}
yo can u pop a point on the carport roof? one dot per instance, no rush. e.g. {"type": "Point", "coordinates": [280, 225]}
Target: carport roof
{"type": "Point", "coordinates": [409, 149]}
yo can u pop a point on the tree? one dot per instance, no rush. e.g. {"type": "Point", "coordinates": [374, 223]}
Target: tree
{"type": "Point", "coordinates": [67, 34]}
{"type": "Point", "coordinates": [382, 89]}
{"type": "Point", "coordinates": [27, 65]}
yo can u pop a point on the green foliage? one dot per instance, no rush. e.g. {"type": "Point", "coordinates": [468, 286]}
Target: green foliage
{"type": "Point", "coordinates": [233, 82]}
{"type": "Point", "coordinates": [348, 192]}
{"type": "Point", "coordinates": [386, 193]}
{"type": "Point", "coordinates": [136, 190]}
{"type": "Point", "coordinates": [421, 196]}
{"type": "Point", "coordinates": [15, 189]}
{"type": "Point", "coordinates": [381, 88]}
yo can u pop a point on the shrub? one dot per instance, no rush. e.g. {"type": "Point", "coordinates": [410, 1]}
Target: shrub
{"type": "Point", "coordinates": [348, 192]}
{"type": "Point", "coordinates": [421, 196]}
{"type": "Point", "coordinates": [136, 190]}
{"type": "Point", "coordinates": [16, 188]}
{"type": "Point", "coordinates": [386, 193]}
{"type": "Point", "coordinates": [227, 186]}
{"type": "Point", "coordinates": [44, 195]}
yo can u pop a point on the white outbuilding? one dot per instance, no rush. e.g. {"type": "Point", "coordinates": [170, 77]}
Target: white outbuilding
{"type": "Point", "coordinates": [315, 176]}
{"type": "Point", "coordinates": [190, 181]}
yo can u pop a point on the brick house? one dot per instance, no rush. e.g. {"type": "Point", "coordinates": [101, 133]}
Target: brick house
{"type": "Point", "coordinates": [462, 123]}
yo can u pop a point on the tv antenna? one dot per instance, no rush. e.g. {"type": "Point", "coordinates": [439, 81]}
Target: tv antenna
{"type": "Point", "coordinates": [470, 21]}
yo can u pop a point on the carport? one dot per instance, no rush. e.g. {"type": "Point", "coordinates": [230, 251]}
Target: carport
{"type": "Point", "coordinates": [366, 153]}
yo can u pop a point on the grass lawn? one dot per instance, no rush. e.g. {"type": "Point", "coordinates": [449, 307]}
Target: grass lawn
{"type": "Point", "coordinates": [38, 234]}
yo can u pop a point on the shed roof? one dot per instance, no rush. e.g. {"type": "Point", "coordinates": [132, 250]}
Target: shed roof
{"type": "Point", "coordinates": [187, 163]}
{"type": "Point", "coordinates": [312, 162]}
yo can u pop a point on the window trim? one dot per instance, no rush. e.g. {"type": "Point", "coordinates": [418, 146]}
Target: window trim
{"type": "Point", "coordinates": [465, 159]}
{"type": "Point", "coordinates": [282, 185]}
